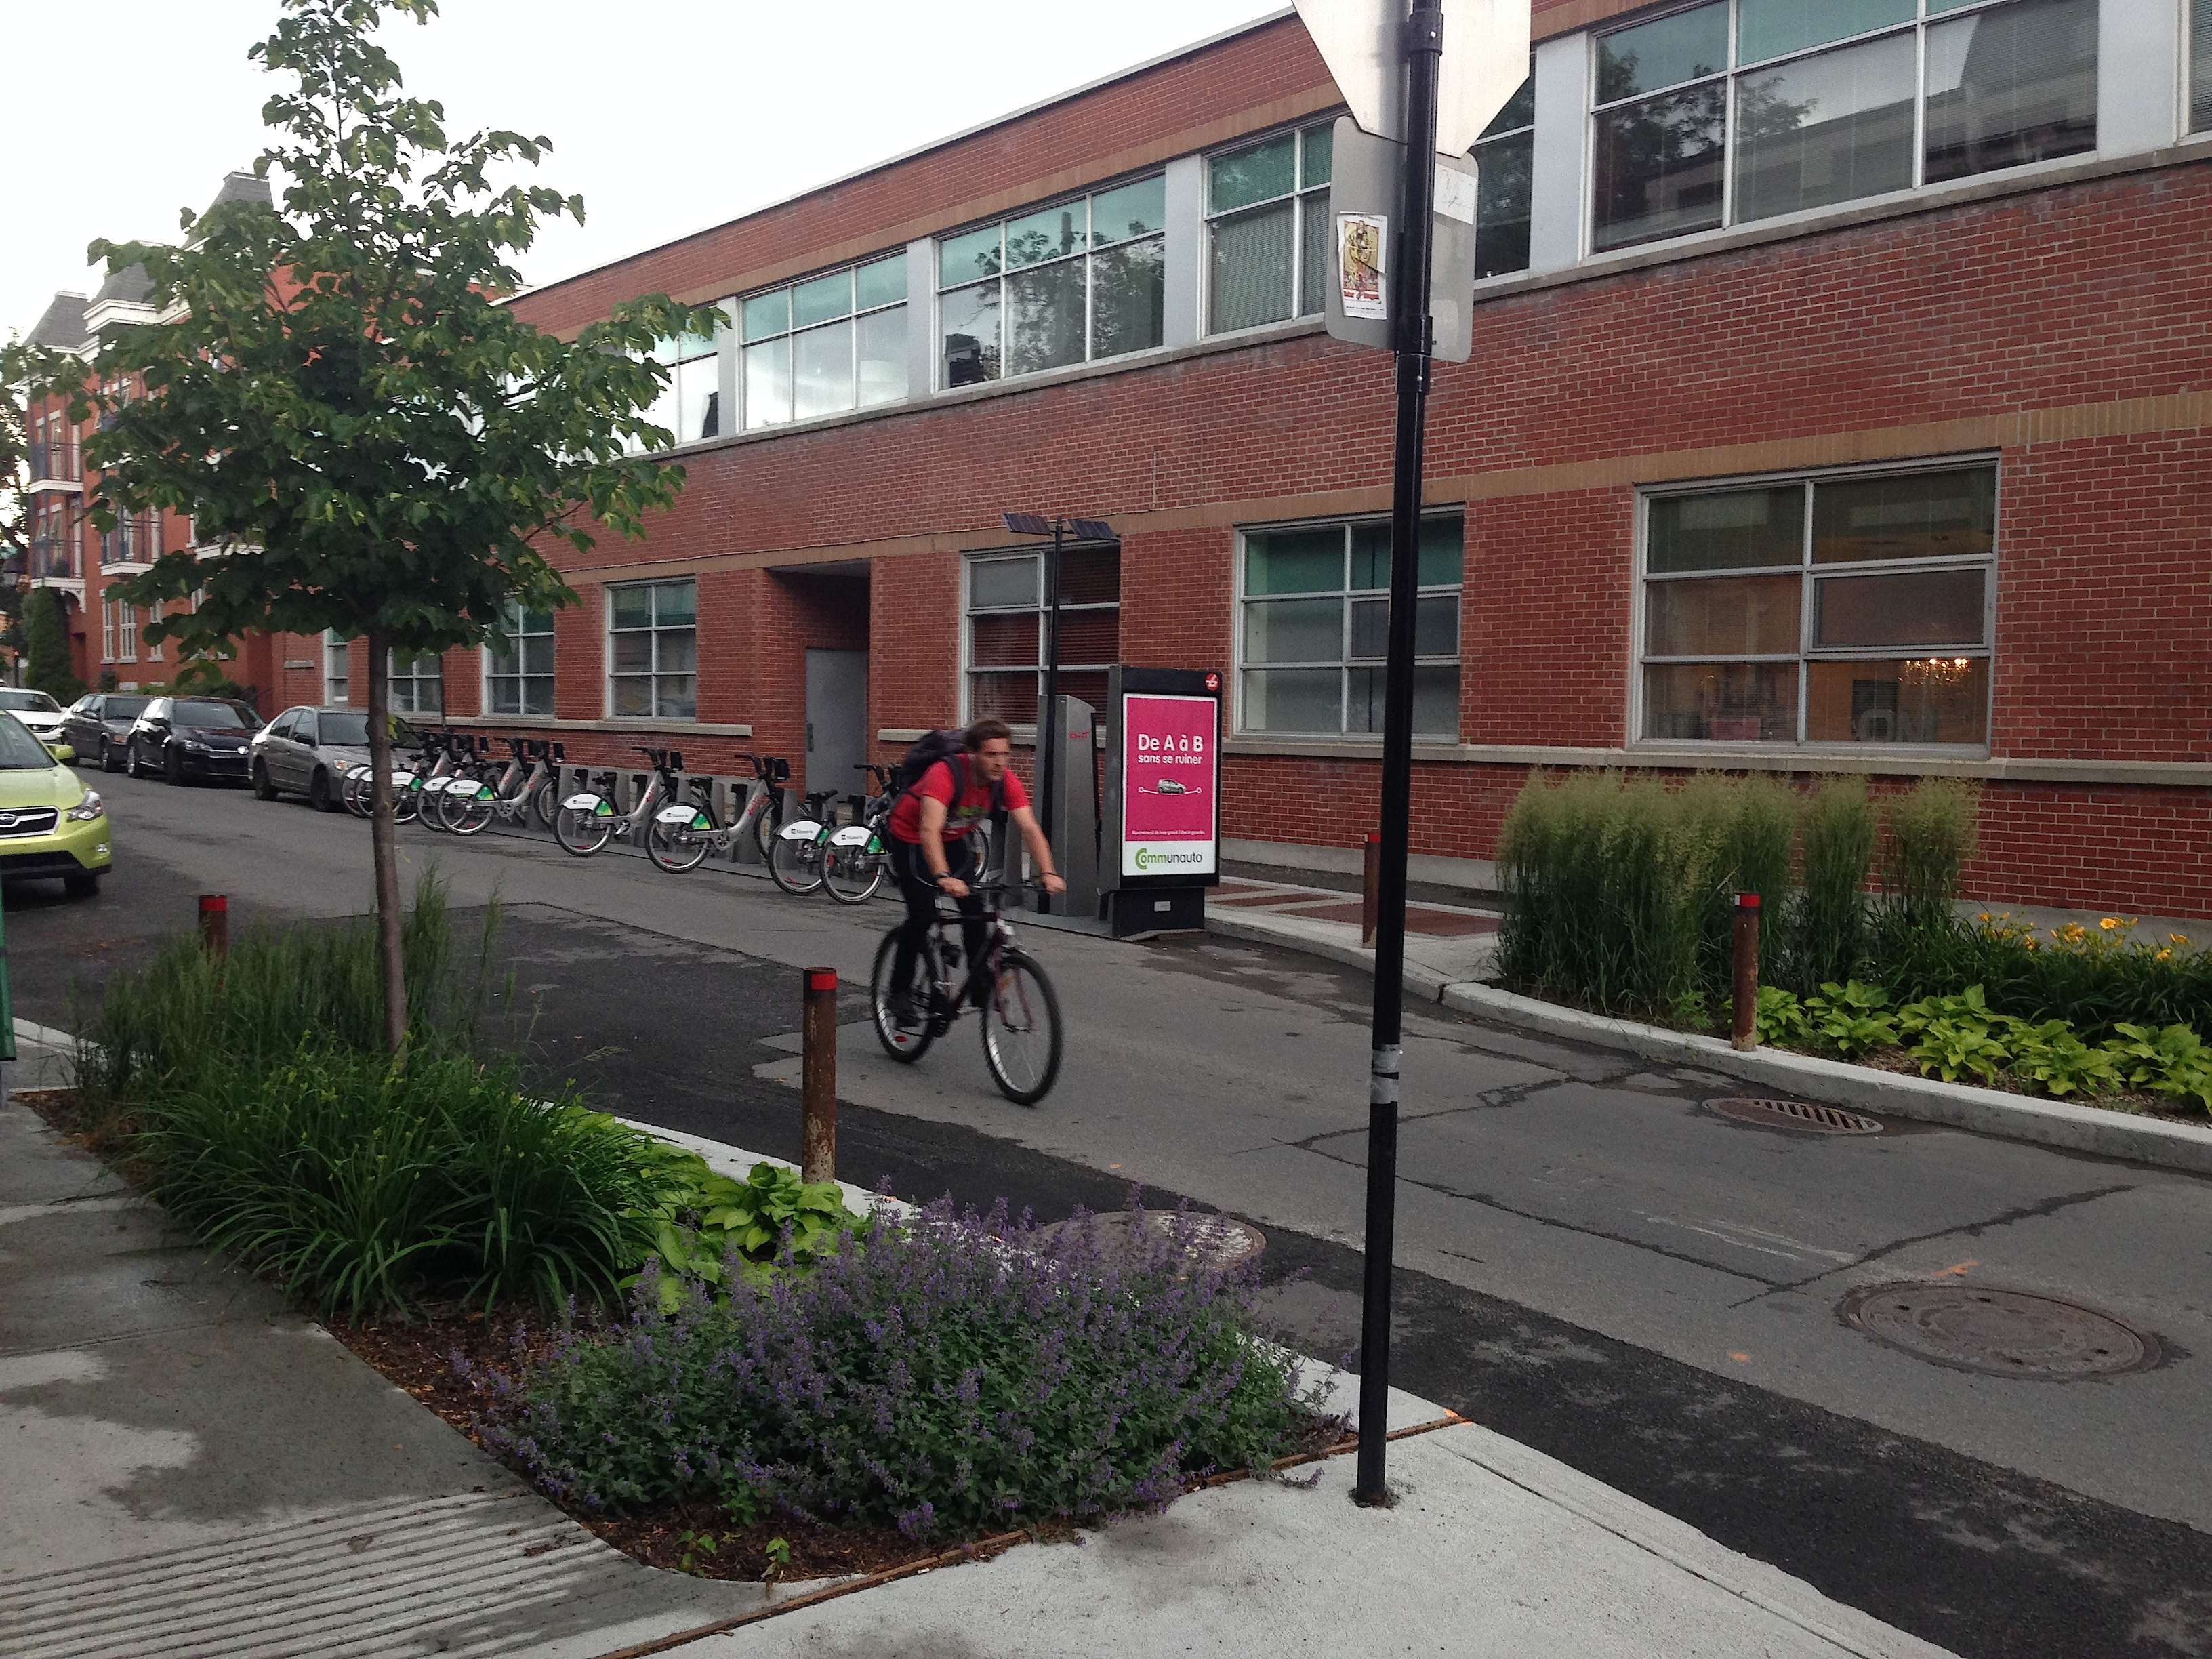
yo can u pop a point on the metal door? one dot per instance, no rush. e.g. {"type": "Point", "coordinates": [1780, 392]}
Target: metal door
{"type": "Point", "coordinates": [836, 719]}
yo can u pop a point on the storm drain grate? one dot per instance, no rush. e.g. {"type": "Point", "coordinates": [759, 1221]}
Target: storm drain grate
{"type": "Point", "coordinates": [1795, 1114]}
{"type": "Point", "coordinates": [2001, 1333]}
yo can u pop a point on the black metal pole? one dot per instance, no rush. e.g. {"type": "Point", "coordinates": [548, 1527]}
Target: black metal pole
{"type": "Point", "coordinates": [1409, 310]}
{"type": "Point", "coordinates": [1047, 750]}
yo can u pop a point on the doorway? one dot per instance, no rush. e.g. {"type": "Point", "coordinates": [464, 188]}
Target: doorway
{"type": "Point", "coordinates": [836, 719]}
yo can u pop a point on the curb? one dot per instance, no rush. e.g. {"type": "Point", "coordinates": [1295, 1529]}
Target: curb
{"type": "Point", "coordinates": [1839, 1083]}
{"type": "Point", "coordinates": [1429, 984]}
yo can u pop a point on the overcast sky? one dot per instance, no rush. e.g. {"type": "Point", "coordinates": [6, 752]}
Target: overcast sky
{"type": "Point", "coordinates": [665, 115]}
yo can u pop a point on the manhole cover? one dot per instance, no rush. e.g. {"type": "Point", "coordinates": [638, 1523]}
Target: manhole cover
{"type": "Point", "coordinates": [1217, 1241]}
{"type": "Point", "coordinates": [1795, 1114]}
{"type": "Point", "coordinates": [2003, 1333]}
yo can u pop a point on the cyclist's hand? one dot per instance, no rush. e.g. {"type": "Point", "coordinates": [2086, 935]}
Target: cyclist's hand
{"type": "Point", "coordinates": [952, 887]}
{"type": "Point", "coordinates": [1054, 884]}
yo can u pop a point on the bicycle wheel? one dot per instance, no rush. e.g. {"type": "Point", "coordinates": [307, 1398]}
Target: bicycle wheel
{"type": "Point", "coordinates": [430, 804]}
{"type": "Point", "coordinates": [795, 865]}
{"type": "Point", "coordinates": [905, 1042]}
{"type": "Point", "coordinates": [406, 802]}
{"type": "Point", "coordinates": [469, 810]}
{"type": "Point", "coordinates": [582, 830]}
{"type": "Point", "coordinates": [543, 800]}
{"type": "Point", "coordinates": [676, 848]}
{"type": "Point", "coordinates": [353, 792]}
{"type": "Point", "coordinates": [766, 823]}
{"type": "Point", "coordinates": [852, 874]}
{"type": "Point", "coordinates": [1021, 1030]}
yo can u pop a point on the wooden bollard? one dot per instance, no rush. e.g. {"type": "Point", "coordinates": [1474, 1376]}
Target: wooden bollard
{"type": "Point", "coordinates": [1371, 888]}
{"type": "Point", "coordinates": [818, 1094]}
{"type": "Point", "coordinates": [1745, 1033]}
{"type": "Point", "coordinates": [214, 925]}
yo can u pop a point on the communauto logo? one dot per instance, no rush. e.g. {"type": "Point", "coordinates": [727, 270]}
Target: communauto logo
{"type": "Point", "coordinates": [1146, 858]}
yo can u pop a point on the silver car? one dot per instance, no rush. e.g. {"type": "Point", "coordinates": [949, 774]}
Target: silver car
{"type": "Point", "coordinates": [306, 752]}
{"type": "Point", "coordinates": [36, 710]}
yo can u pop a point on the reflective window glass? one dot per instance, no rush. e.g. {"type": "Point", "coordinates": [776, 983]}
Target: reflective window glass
{"type": "Point", "coordinates": [2011, 85]}
{"type": "Point", "coordinates": [1663, 53]}
{"type": "Point", "coordinates": [1829, 128]}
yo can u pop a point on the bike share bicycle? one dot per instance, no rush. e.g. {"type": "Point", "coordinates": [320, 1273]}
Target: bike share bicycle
{"type": "Point", "coordinates": [526, 785]}
{"type": "Point", "coordinates": [677, 833]}
{"type": "Point", "coordinates": [847, 860]}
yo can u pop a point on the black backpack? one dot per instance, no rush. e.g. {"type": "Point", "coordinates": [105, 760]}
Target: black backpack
{"type": "Point", "coordinates": [946, 744]}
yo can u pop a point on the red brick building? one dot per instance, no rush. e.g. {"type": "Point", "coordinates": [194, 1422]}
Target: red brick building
{"type": "Point", "coordinates": [1841, 401]}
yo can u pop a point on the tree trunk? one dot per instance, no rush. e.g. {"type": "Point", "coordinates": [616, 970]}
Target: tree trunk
{"type": "Point", "coordinates": [384, 840]}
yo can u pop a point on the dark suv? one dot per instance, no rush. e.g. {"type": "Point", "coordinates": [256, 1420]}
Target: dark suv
{"type": "Point", "coordinates": [97, 726]}
{"type": "Point", "coordinates": [185, 738]}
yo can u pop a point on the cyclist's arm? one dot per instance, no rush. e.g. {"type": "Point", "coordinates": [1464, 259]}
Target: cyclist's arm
{"type": "Point", "coordinates": [933, 837]}
{"type": "Point", "coordinates": [1033, 838]}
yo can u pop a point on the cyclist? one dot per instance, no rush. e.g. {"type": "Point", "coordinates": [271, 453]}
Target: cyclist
{"type": "Point", "coordinates": [946, 802]}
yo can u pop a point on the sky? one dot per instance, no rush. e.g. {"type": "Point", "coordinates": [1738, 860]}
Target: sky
{"type": "Point", "coordinates": [666, 116]}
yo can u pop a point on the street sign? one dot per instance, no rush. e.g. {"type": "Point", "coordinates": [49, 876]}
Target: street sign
{"type": "Point", "coordinates": [1363, 191]}
{"type": "Point", "coordinates": [1362, 41]}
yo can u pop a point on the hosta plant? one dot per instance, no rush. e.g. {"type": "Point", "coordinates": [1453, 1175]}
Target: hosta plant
{"type": "Point", "coordinates": [1851, 1018]}
{"type": "Point", "coordinates": [2174, 1061]}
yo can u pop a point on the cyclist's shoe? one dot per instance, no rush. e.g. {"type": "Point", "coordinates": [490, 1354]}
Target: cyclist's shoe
{"type": "Point", "coordinates": [904, 1016]}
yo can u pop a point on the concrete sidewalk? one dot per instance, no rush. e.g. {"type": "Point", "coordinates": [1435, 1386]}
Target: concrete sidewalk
{"type": "Point", "coordinates": [1445, 944]}
{"type": "Point", "coordinates": [192, 1470]}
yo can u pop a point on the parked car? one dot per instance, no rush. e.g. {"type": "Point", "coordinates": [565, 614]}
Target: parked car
{"type": "Point", "coordinates": [185, 738]}
{"type": "Point", "coordinates": [306, 752]}
{"type": "Point", "coordinates": [40, 713]}
{"type": "Point", "coordinates": [97, 726]}
{"type": "Point", "coordinates": [49, 824]}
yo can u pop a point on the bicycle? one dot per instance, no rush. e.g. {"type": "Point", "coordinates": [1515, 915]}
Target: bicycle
{"type": "Point", "coordinates": [518, 791]}
{"type": "Point", "coordinates": [433, 756]}
{"type": "Point", "coordinates": [795, 862]}
{"type": "Point", "coordinates": [1021, 1024]}
{"type": "Point", "coordinates": [463, 776]}
{"type": "Point", "coordinates": [587, 819]}
{"type": "Point", "coordinates": [683, 833]}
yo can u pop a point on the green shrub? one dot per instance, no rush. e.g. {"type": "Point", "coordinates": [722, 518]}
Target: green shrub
{"type": "Point", "coordinates": [2093, 978]}
{"type": "Point", "coordinates": [1950, 1048]}
{"type": "Point", "coordinates": [46, 653]}
{"type": "Point", "coordinates": [1781, 1018]}
{"type": "Point", "coordinates": [711, 1225]}
{"type": "Point", "coordinates": [1747, 826]}
{"type": "Point", "coordinates": [1851, 1018]}
{"type": "Point", "coordinates": [2175, 1062]}
{"type": "Point", "coordinates": [1825, 933]}
{"type": "Point", "coordinates": [1931, 831]}
{"type": "Point", "coordinates": [2052, 1056]}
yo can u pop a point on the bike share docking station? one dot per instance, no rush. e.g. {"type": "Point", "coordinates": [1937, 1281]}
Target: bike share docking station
{"type": "Point", "coordinates": [1142, 865]}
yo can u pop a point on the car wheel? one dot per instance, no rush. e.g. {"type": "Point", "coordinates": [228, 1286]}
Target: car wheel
{"type": "Point", "coordinates": [130, 758]}
{"type": "Point", "coordinates": [263, 789]}
{"type": "Point", "coordinates": [173, 766]}
{"type": "Point", "coordinates": [107, 756]}
{"type": "Point", "coordinates": [80, 884]}
{"type": "Point", "coordinates": [318, 792]}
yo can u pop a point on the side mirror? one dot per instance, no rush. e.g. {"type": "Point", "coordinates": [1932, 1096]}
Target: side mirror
{"type": "Point", "coordinates": [305, 741]}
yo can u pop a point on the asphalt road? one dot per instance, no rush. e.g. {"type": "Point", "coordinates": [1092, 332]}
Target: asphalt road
{"type": "Point", "coordinates": [1589, 1260]}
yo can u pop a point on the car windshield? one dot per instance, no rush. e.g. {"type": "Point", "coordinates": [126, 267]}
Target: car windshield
{"type": "Point", "coordinates": [30, 703]}
{"type": "Point", "coordinates": [345, 728]}
{"type": "Point", "coordinates": [125, 708]}
{"type": "Point", "coordinates": [19, 750]}
{"type": "Point", "coordinates": [223, 715]}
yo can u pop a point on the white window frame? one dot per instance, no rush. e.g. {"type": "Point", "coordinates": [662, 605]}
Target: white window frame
{"type": "Point", "coordinates": [1305, 198]}
{"type": "Point", "coordinates": [1806, 652]}
{"type": "Point", "coordinates": [1526, 131]}
{"type": "Point", "coordinates": [126, 631]}
{"type": "Point", "coordinates": [1037, 556]}
{"type": "Point", "coordinates": [2189, 90]}
{"type": "Point", "coordinates": [337, 689]}
{"type": "Point", "coordinates": [655, 674]}
{"type": "Point", "coordinates": [106, 629]}
{"type": "Point", "coordinates": [404, 688]}
{"type": "Point", "coordinates": [667, 409]}
{"type": "Point", "coordinates": [1346, 662]}
{"type": "Point", "coordinates": [745, 341]}
{"type": "Point", "coordinates": [940, 288]}
{"type": "Point", "coordinates": [1922, 21]}
{"type": "Point", "coordinates": [514, 621]}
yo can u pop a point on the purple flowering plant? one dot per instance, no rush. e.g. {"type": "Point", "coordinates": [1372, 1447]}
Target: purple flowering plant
{"type": "Point", "coordinates": [950, 1373]}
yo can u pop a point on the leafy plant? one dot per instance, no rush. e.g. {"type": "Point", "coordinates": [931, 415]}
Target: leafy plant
{"type": "Point", "coordinates": [1825, 935]}
{"type": "Point", "coordinates": [1851, 1018]}
{"type": "Point", "coordinates": [778, 1553]}
{"type": "Point", "coordinates": [2052, 1056]}
{"type": "Point", "coordinates": [1951, 1049]}
{"type": "Point", "coordinates": [710, 1225]}
{"type": "Point", "coordinates": [2174, 1061]}
{"type": "Point", "coordinates": [1932, 834]}
{"type": "Point", "coordinates": [953, 1373]}
{"type": "Point", "coordinates": [1969, 1007]}
{"type": "Point", "coordinates": [1781, 1018]}
{"type": "Point", "coordinates": [46, 636]}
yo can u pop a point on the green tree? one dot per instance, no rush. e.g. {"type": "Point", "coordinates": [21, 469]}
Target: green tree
{"type": "Point", "coordinates": [343, 403]}
{"type": "Point", "coordinates": [47, 647]}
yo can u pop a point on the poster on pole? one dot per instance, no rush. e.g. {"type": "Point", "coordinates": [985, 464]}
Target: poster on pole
{"type": "Point", "coordinates": [1170, 785]}
{"type": "Point", "coordinates": [1363, 257]}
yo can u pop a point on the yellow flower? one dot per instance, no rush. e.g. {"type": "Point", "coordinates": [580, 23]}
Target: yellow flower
{"type": "Point", "coordinates": [2165, 952]}
{"type": "Point", "coordinates": [1985, 915]}
{"type": "Point", "coordinates": [2178, 938]}
{"type": "Point", "coordinates": [2109, 923]}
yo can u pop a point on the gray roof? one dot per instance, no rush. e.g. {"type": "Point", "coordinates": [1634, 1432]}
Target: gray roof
{"type": "Point", "coordinates": [240, 187]}
{"type": "Point", "coordinates": [61, 326]}
{"type": "Point", "coordinates": [129, 286]}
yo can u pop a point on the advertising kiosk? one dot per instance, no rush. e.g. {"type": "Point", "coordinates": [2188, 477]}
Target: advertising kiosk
{"type": "Point", "coordinates": [1159, 840]}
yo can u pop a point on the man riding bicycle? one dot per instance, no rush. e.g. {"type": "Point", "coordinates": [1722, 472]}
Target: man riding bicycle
{"type": "Point", "coordinates": [949, 799]}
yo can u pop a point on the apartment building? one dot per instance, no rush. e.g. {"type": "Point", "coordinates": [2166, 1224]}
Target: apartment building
{"type": "Point", "coordinates": [1839, 404]}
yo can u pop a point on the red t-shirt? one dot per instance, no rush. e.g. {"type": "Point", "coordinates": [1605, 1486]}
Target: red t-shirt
{"type": "Point", "coordinates": [960, 816]}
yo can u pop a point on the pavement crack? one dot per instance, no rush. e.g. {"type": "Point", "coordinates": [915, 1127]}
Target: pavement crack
{"type": "Point", "coordinates": [1489, 1100]}
{"type": "Point", "coordinates": [2041, 1208]}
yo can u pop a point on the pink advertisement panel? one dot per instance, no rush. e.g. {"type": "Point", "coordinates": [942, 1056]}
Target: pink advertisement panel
{"type": "Point", "coordinates": [1171, 793]}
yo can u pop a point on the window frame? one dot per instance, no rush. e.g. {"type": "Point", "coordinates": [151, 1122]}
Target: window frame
{"type": "Point", "coordinates": [653, 675]}
{"type": "Point", "coordinates": [1299, 195]}
{"type": "Point", "coordinates": [1492, 140]}
{"type": "Point", "coordinates": [338, 650]}
{"type": "Point", "coordinates": [1035, 554]}
{"type": "Point", "coordinates": [512, 619]}
{"type": "Point", "coordinates": [1347, 662]}
{"type": "Point", "coordinates": [1088, 252]}
{"type": "Point", "coordinates": [2195, 16]}
{"type": "Point", "coordinates": [1727, 77]}
{"type": "Point", "coordinates": [745, 342]}
{"type": "Point", "coordinates": [411, 703]}
{"type": "Point", "coordinates": [1810, 575]}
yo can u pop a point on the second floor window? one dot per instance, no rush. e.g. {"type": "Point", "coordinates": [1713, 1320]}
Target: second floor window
{"type": "Point", "coordinates": [519, 674]}
{"type": "Point", "coordinates": [1267, 230]}
{"type": "Point", "coordinates": [1505, 158]}
{"type": "Point", "coordinates": [653, 650]}
{"type": "Point", "coordinates": [2200, 66]}
{"type": "Point", "coordinates": [1741, 110]}
{"type": "Point", "coordinates": [1070, 284]}
{"type": "Point", "coordinates": [690, 405]}
{"type": "Point", "coordinates": [418, 683]}
{"type": "Point", "coordinates": [826, 345]}
{"type": "Point", "coordinates": [337, 667]}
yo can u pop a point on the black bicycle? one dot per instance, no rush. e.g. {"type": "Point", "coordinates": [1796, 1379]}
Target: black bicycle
{"type": "Point", "coordinates": [1020, 1018]}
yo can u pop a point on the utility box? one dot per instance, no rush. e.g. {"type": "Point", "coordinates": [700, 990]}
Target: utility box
{"type": "Point", "coordinates": [1160, 833]}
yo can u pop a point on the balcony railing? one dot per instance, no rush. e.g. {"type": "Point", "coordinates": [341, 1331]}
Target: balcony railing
{"type": "Point", "coordinates": [56, 462]}
{"type": "Point", "coordinates": [133, 541]}
{"type": "Point", "coordinates": [53, 556]}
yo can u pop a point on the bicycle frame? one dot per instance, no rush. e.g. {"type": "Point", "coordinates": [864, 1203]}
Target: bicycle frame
{"type": "Point", "coordinates": [656, 794]}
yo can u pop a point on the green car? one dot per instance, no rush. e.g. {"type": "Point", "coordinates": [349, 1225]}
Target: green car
{"type": "Point", "coordinates": [50, 825]}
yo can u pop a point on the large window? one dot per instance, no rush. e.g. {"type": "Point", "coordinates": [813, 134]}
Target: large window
{"type": "Point", "coordinates": [2200, 66]}
{"type": "Point", "coordinates": [519, 671]}
{"type": "Point", "coordinates": [418, 683]}
{"type": "Point", "coordinates": [1069, 283]}
{"type": "Point", "coordinates": [690, 404]}
{"type": "Point", "coordinates": [337, 667]}
{"type": "Point", "coordinates": [826, 345]}
{"type": "Point", "coordinates": [1314, 628]}
{"type": "Point", "coordinates": [1741, 110]}
{"type": "Point", "coordinates": [1007, 629]}
{"type": "Point", "coordinates": [653, 650]}
{"type": "Point", "coordinates": [1505, 157]}
{"type": "Point", "coordinates": [1267, 230]}
{"type": "Point", "coordinates": [1846, 608]}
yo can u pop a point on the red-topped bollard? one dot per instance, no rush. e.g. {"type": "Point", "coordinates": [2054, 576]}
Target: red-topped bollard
{"type": "Point", "coordinates": [818, 1093]}
{"type": "Point", "coordinates": [214, 925]}
{"type": "Point", "coordinates": [1745, 1033]}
